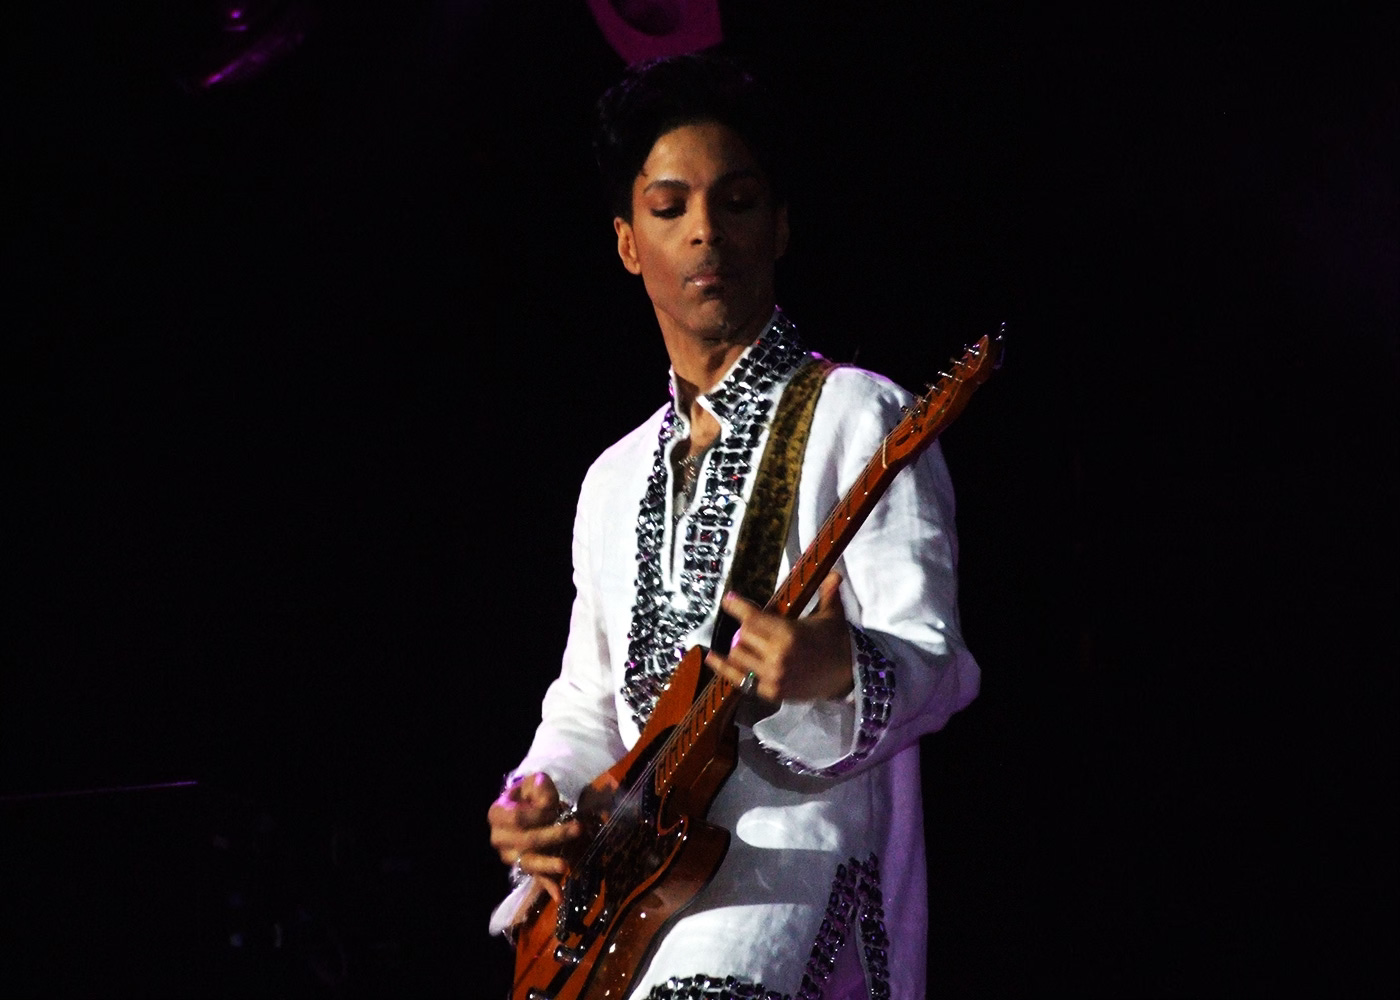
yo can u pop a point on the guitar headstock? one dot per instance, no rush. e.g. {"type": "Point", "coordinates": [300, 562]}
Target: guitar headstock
{"type": "Point", "coordinates": [945, 399]}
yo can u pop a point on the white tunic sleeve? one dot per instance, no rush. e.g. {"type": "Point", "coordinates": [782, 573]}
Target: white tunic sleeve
{"type": "Point", "coordinates": [911, 669]}
{"type": "Point", "coordinates": [577, 738]}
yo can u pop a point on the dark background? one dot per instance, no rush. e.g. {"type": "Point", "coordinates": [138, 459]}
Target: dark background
{"type": "Point", "coordinates": [306, 370]}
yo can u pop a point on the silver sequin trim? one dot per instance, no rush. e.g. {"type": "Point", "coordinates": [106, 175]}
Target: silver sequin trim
{"type": "Point", "coordinates": [855, 899]}
{"type": "Point", "coordinates": [661, 618]}
{"type": "Point", "coordinates": [876, 675]}
{"type": "Point", "coordinates": [712, 988]}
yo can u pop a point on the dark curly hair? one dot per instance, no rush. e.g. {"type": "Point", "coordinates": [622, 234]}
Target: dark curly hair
{"type": "Point", "coordinates": [664, 94]}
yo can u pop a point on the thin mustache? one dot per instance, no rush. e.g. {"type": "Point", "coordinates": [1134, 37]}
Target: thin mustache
{"type": "Point", "coordinates": [710, 265]}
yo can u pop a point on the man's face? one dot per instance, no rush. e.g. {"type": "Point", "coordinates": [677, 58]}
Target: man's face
{"type": "Point", "coordinates": [704, 235]}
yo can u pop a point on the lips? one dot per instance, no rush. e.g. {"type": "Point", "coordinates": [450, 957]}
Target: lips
{"type": "Point", "coordinates": [710, 274]}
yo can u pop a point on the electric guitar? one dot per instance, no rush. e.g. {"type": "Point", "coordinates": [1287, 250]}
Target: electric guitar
{"type": "Point", "coordinates": [652, 850]}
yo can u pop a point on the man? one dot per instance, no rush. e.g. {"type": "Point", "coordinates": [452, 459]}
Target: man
{"type": "Point", "coordinates": [822, 891]}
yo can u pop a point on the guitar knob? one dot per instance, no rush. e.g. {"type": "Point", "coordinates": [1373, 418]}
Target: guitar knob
{"type": "Point", "coordinates": [568, 956]}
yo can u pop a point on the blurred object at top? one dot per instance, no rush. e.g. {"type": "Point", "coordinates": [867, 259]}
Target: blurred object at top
{"type": "Point", "coordinates": [252, 36]}
{"type": "Point", "coordinates": [639, 30]}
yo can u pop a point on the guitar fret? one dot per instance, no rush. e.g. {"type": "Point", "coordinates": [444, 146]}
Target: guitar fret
{"type": "Point", "coordinates": [688, 732]}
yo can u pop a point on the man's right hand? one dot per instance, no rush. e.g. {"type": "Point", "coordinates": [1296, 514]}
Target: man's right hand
{"type": "Point", "coordinates": [524, 830]}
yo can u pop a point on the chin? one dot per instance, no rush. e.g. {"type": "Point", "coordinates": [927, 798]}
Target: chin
{"type": "Point", "coordinates": [724, 321]}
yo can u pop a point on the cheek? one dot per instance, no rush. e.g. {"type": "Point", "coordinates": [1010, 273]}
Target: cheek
{"type": "Point", "coordinates": [657, 268]}
{"type": "Point", "coordinates": [653, 281]}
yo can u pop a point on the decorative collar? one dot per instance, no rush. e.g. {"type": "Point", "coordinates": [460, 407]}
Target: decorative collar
{"type": "Point", "coordinates": [667, 610]}
{"type": "Point", "coordinates": [769, 359]}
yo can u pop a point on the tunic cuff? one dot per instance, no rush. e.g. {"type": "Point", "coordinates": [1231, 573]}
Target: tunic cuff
{"type": "Point", "coordinates": [503, 918]}
{"type": "Point", "coordinates": [831, 738]}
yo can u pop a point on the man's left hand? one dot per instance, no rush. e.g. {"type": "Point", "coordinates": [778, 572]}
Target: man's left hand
{"type": "Point", "coordinates": [792, 659]}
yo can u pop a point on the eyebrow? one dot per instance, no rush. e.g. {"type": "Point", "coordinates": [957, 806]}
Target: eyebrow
{"type": "Point", "coordinates": [733, 175]}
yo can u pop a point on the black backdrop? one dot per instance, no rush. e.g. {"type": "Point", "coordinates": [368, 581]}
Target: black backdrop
{"type": "Point", "coordinates": [307, 370]}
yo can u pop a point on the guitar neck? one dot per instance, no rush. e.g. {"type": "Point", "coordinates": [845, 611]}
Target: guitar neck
{"type": "Point", "coordinates": [719, 698]}
{"type": "Point", "coordinates": [832, 538]}
{"type": "Point", "coordinates": [922, 424]}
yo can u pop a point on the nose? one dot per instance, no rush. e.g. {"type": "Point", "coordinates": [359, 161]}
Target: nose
{"type": "Point", "coordinates": [708, 225]}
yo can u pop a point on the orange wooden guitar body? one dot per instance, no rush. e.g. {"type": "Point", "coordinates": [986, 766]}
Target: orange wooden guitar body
{"type": "Point", "coordinates": [602, 957]}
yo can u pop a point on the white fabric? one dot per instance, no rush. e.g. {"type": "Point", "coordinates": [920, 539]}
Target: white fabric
{"type": "Point", "coordinates": [758, 919]}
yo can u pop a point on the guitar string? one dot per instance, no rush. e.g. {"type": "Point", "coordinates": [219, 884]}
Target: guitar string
{"type": "Point", "coordinates": [638, 787]}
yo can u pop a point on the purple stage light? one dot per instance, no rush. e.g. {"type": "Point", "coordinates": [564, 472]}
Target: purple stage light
{"type": "Point", "coordinates": [639, 30]}
{"type": "Point", "coordinates": [82, 792]}
{"type": "Point", "coordinates": [255, 35]}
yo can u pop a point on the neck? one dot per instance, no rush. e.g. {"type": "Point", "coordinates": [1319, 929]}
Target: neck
{"type": "Point", "coordinates": [702, 375]}
{"type": "Point", "coordinates": [701, 362]}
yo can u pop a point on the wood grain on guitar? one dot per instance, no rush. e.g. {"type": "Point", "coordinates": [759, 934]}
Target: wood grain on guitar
{"type": "Point", "coordinates": [653, 850]}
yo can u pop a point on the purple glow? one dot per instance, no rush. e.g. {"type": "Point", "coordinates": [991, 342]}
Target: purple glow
{"type": "Point", "coordinates": [270, 42]}
{"type": "Point", "coordinates": [71, 793]}
{"type": "Point", "coordinates": [648, 29]}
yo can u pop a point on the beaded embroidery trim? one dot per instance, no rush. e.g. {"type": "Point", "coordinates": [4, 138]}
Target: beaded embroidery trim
{"type": "Point", "coordinates": [855, 898]}
{"type": "Point", "coordinates": [662, 619]}
{"type": "Point", "coordinates": [874, 941]}
{"type": "Point", "coordinates": [876, 676]}
{"type": "Point", "coordinates": [712, 988]}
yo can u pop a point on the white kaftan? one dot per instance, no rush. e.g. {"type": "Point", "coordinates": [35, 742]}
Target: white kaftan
{"type": "Point", "coordinates": [823, 890]}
